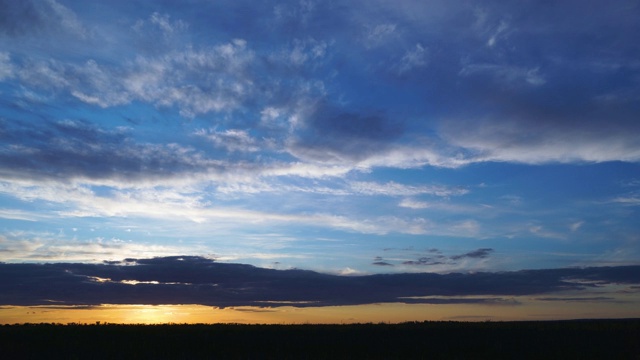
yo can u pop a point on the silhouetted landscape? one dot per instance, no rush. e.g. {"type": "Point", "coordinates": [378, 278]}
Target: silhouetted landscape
{"type": "Point", "coordinates": [578, 339]}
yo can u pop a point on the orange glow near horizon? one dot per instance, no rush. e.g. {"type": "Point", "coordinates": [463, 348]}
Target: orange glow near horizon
{"type": "Point", "coordinates": [522, 308]}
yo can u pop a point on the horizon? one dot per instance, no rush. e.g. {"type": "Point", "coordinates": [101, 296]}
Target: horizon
{"type": "Point", "coordinates": [193, 289]}
{"type": "Point", "coordinates": [411, 139]}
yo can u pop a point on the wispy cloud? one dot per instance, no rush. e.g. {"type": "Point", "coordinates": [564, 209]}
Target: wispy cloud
{"type": "Point", "coordinates": [48, 247]}
{"type": "Point", "coordinates": [412, 59]}
{"type": "Point", "coordinates": [396, 189]}
{"type": "Point", "coordinates": [377, 35]}
{"type": "Point", "coordinates": [40, 17]}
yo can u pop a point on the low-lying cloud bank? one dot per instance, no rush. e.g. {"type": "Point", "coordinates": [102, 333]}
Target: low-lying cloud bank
{"type": "Point", "coordinates": [198, 280]}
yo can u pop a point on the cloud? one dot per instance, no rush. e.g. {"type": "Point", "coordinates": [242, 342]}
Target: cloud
{"type": "Point", "coordinates": [307, 113]}
{"type": "Point", "coordinates": [329, 135]}
{"type": "Point", "coordinates": [19, 215]}
{"type": "Point", "coordinates": [523, 142]}
{"type": "Point", "coordinates": [42, 17]}
{"type": "Point", "coordinates": [425, 261]}
{"type": "Point", "coordinates": [197, 81]}
{"type": "Point", "coordinates": [412, 59]}
{"type": "Point", "coordinates": [395, 189]}
{"type": "Point", "coordinates": [576, 226]}
{"type": "Point", "coordinates": [377, 35]}
{"type": "Point", "coordinates": [161, 22]}
{"type": "Point", "coordinates": [232, 140]}
{"type": "Point", "coordinates": [31, 247]}
{"type": "Point", "coordinates": [303, 52]}
{"type": "Point", "coordinates": [497, 33]}
{"type": "Point", "coordinates": [476, 254]}
{"type": "Point", "coordinates": [579, 299]}
{"type": "Point", "coordinates": [79, 150]}
{"type": "Point", "coordinates": [413, 204]}
{"type": "Point", "coordinates": [6, 67]}
{"type": "Point", "coordinates": [197, 280]}
{"type": "Point", "coordinates": [381, 263]}
{"type": "Point", "coordinates": [513, 113]}
{"type": "Point", "coordinates": [435, 257]}
{"type": "Point", "coordinates": [630, 200]}
{"type": "Point", "coordinates": [172, 205]}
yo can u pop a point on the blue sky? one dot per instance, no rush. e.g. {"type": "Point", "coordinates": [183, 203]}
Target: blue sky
{"type": "Point", "coordinates": [354, 137]}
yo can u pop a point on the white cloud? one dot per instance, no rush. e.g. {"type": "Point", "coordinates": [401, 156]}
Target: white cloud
{"type": "Point", "coordinates": [305, 51]}
{"type": "Point", "coordinates": [541, 231]}
{"type": "Point", "coordinates": [631, 200]}
{"type": "Point", "coordinates": [520, 142]}
{"type": "Point", "coordinates": [29, 246]}
{"type": "Point", "coordinates": [379, 34]}
{"type": "Point", "coordinates": [49, 75]}
{"type": "Point", "coordinates": [6, 67]}
{"type": "Point", "coordinates": [416, 155]}
{"type": "Point", "coordinates": [414, 58]}
{"type": "Point", "coordinates": [576, 226]}
{"type": "Point", "coordinates": [171, 205]}
{"type": "Point", "coordinates": [66, 18]}
{"type": "Point", "coordinates": [497, 33]}
{"type": "Point", "coordinates": [413, 204]}
{"type": "Point", "coordinates": [341, 188]}
{"type": "Point", "coordinates": [166, 25]}
{"type": "Point", "coordinates": [196, 81]}
{"type": "Point", "coordinates": [233, 140]}
{"type": "Point", "coordinates": [15, 214]}
{"type": "Point", "coordinates": [305, 170]}
{"type": "Point", "coordinates": [269, 114]}
{"type": "Point", "coordinates": [395, 189]}
{"type": "Point", "coordinates": [350, 272]}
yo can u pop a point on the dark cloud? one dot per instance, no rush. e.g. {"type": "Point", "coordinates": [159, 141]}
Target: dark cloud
{"type": "Point", "coordinates": [574, 82]}
{"type": "Point", "coordinates": [381, 263]}
{"type": "Point", "coordinates": [197, 280]}
{"type": "Point", "coordinates": [476, 254]}
{"type": "Point", "coordinates": [439, 259]}
{"type": "Point", "coordinates": [331, 134]}
{"type": "Point", "coordinates": [424, 261]}
{"type": "Point", "coordinates": [63, 150]}
{"type": "Point", "coordinates": [455, 300]}
{"type": "Point", "coordinates": [578, 299]}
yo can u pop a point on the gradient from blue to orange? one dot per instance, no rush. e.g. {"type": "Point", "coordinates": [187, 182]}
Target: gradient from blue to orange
{"type": "Point", "coordinates": [346, 138]}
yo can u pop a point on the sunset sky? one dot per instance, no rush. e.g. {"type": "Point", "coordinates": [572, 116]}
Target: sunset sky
{"type": "Point", "coordinates": [384, 145]}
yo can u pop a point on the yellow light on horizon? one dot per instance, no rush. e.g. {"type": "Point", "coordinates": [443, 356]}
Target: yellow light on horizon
{"type": "Point", "coordinates": [617, 305]}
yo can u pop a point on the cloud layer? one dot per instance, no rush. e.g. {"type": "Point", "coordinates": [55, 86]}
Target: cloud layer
{"type": "Point", "coordinates": [492, 132]}
{"type": "Point", "coordinates": [197, 280]}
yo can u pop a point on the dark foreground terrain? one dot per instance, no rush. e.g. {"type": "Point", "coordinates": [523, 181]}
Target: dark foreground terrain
{"type": "Point", "coordinates": [586, 339]}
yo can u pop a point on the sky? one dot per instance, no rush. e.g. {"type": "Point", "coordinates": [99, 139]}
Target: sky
{"type": "Point", "coordinates": [351, 139]}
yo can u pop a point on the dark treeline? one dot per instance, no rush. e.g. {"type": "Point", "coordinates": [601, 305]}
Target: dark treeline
{"type": "Point", "coordinates": [586, 339]}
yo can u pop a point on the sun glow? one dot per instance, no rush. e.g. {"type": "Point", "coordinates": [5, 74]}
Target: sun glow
{"type": "Point", "coordinates": [518, 308]}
